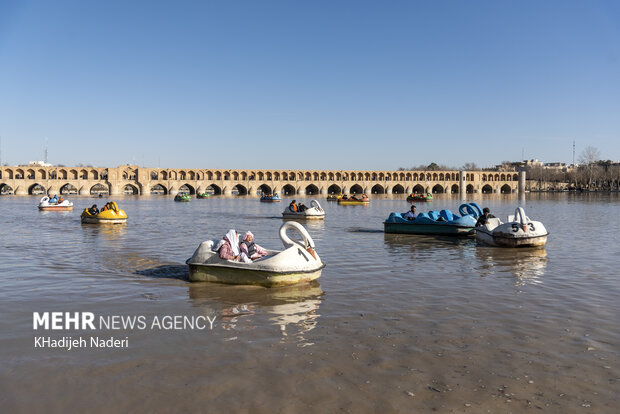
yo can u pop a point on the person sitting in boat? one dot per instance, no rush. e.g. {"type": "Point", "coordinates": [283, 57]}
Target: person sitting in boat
{"type": "Point", "coordinates": [344, 197]}
{"type": "Point", "coordinates": [228, 248]}
{"type": "Point", "coordinates": [486, 215]}
{"type": "Point", "coordinates": [294, 207]}
{"type": "Point", "coordinates": [93, 210]}
{"type": "Point", "coordinates": [251, 249]}
{"type": "Point", "coordinates": [54, 199]}
{"type": "Point", "coordinates": [60, 200]}
{"type": "Point", "coordinates": [353, 198]}
{"type": "Point", "coordinates": [411, 214]}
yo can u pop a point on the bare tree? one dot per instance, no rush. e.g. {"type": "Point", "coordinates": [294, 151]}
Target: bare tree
{"type": "Point", "coordinates": [588, 159]}
{"type": "Point", "coordinates": [470, 166]}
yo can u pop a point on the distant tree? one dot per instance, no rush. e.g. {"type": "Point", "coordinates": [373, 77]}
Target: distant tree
{"type": "Point", "coordinates": [588, 159]}
{"type": "Point", "coordinates": [589, 155]}
{"type": "Point", "coordinates": [470, 166]}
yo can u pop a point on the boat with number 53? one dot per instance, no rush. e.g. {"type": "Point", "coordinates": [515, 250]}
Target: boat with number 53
{"type": "Point", "coordinates": [519, 231]}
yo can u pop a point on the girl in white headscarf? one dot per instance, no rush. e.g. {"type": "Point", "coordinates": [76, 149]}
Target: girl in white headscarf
{"type": "Point", "coordinates": [251, 249]}
{"type": "Point", "coordinates": [229, 246]}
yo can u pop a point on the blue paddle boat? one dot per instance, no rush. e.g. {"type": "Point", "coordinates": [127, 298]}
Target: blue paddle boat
{"type": "Point", "coordinates": [442, 222]}
{"type": "Point", "coordinates": [275, 198]}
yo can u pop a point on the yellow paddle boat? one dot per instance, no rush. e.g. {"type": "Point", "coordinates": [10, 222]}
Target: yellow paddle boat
{"type": "Point", "coordinates": [110, 215]}
{"type": "Point", "coordinates": [352, 201]}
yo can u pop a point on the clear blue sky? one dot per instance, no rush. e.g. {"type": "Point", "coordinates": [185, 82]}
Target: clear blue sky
{"type": "Point", "coordinates": [308, 84]}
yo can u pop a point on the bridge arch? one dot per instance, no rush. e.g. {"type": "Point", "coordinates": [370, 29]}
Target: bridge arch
{"type": "Point", "coordinates": [213, 189]}
{"type": "Point", "coordinates": [312, 189]}
{"type": "Point", "coordinates": [418, 189]}
{"type": "Point", "coordinates": [68, 189]}
{"type": "Point", "coordinates": [239, 190]}
{"type": "Point", "coordinates": [454, 188]}
{"type": "Point", "coordinates": [377, 189]}
{"type": "Point", "coordinates": [398, 189]}
{"type": "Point", "coordinates": [159, 189]}
{"type": "Point", "coordinates": [506, 189]}
{"type": "Point", "coordinates": [36, 189]}
{"type": "Point", "coordinates": [187, 188]}
{"type": "Point", "coordinates": [438, 189]}
{"type": "Point", "coordinates": [487, 189]}
{"type": "Point", "coordinates": [263, 189]}
{"type": "Point", "coordinates": [469, 189]}
{"type": "Point", "coordinates": [130, 189]}
{"type": "Point", "coordinates": [6, 189]}
{"type": "Point", "coordinates": [334, 189]}
{"type": "Point", "coordinates": [99, 189]}
{"type": "Point", "coordinates": [288, 190]}
{"type": "Point", "coordinates": [356, 189]}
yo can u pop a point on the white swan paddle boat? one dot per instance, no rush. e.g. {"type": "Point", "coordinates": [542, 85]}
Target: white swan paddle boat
{"type": "Point", "coordinates": [298, 263]}
{"type": "Point", "coordinates": [519, 231]}
{"type": "Point", "coordinates": [45, 204]}
{"type": "Point", "coordinates": [313, 213]}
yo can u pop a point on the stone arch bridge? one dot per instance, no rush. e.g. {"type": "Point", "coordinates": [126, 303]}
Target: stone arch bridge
{"type": "Point", "coordinates": [126, 179]}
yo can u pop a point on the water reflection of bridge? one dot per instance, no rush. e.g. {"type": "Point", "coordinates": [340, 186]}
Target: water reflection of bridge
{"type": "Point", "coordinates": [144, 181]}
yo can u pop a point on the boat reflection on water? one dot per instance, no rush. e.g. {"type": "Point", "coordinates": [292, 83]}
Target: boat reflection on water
{"type": "Point", "coordinates": [425, 244]}
{"type": "Point", "coordinates": [293, 309]}
{"type": "Point", "coordinates": [528, 265]}
{"type": "Point", "coordinates": [108, 235]}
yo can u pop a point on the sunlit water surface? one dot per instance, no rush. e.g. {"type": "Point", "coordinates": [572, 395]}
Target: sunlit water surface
{"type": "Point", "coordinates": [396, 323]}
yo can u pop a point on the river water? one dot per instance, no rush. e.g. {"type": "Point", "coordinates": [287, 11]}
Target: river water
{"type": "Point", "coordinates": [395, 323]}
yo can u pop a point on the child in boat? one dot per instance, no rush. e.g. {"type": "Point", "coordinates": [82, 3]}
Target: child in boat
{"type": "Point", "coordinates": [228, 248]}
{"type": "Point", "coordinates": [93, 210]}
{"type": "Point", "coordinates": [251, 249]}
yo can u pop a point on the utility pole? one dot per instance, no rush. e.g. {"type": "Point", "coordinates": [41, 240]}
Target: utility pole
{"type": "Point", "coordinates": [0, 150]}
{"type": "Point", "coordinates": [45, 157]}
{"type": "Point", "coordinates": [574, 172]}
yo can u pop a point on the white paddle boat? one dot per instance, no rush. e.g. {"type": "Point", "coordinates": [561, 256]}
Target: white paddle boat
{"type": "Point", "coordinates": [519, 231]}
{"type": "Point", "coordinates": [46, 204]}
{"type": "Point", "coordinates": [298, 263]}
{"type": "Point", "coordinates": [313, 213]}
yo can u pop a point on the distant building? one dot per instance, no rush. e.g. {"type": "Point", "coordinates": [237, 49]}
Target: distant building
{"type": "Point", "coordinates": [39, 164]}
{"type": "Point", "coordinates": [532, 163]}
{"type": "Point", "coordinates": [555, 165]}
